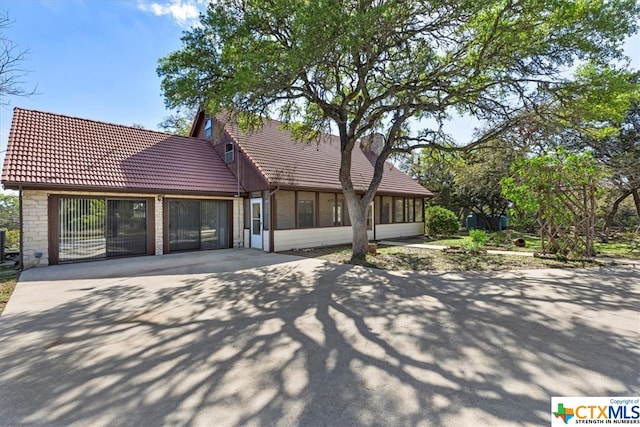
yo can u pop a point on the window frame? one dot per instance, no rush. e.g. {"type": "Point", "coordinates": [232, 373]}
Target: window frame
{"type": "Point", "coordinates": [208, 126]}
{"type": "Point", "coordinates": [229, 152]}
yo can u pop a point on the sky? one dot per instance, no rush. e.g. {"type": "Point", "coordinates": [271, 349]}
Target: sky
{"type": "Point", "coordinates": [97, 59]}
{"type": "Point", "coordinates": [94, 59]}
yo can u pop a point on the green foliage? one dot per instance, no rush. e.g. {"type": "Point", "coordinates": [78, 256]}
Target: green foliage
{"type": "Point", "coordinates": [12, 239]}
{"type": "Point", "coordinates": [439, 220]}
{"type": "Point", "coordinates": [9, 212]}
{"type": "Point", "coordinates": [178, 123]}
{"type": "Point", "coordinates": [557, 186]}
{"type": "Point", "coordinates": [479, 236]}
{"type": "Point", "coordinates": [435, 170]}
{"type": "Point", "coordinates": [541, 179]}
{"type": "Point", "coordinates": [469, 181]}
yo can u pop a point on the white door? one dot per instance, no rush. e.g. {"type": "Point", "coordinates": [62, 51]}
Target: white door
{"type": "Point", "coordinates": [256, 223]}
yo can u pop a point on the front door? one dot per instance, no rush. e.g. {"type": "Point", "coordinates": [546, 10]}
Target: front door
{"type": "Point", "coordinates": [256, 223]}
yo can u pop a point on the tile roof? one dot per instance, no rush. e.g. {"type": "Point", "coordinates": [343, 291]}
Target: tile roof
{"type": "Point", "coordinates": [284, 161]}
{"type": "Point", "coordinates": [47, 149]}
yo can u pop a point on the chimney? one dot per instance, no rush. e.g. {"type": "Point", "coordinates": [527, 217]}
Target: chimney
{"type": "Point", "coordinates": [372, 143]}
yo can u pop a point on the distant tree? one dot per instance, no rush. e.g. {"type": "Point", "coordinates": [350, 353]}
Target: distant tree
{"type": "Point", "coordinates": [478, 177]}
{"type": "Point", "coordinates": [382, 65]}
{"type": "Point", "coordinates": [178, 123]}
{"type": "Point", "coordinates": [620, 153]}
{"type": "Point", "coordinates": [9, 212]}
{"type": "Point", "coordinates": [12, 71]}
{"type": "Point", "coordinates": [137, 126]}
{"type": "Point", "coordinates": [436, 170]}
{"type": "Point", "coordinates": [467, 182]}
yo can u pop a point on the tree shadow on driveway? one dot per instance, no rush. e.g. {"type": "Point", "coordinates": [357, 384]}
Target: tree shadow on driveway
{"type": "Point", "coordinates": [313, 343]}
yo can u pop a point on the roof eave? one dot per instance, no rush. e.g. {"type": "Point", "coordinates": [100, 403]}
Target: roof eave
{"type": "Point", "coordinates": [16, 185]}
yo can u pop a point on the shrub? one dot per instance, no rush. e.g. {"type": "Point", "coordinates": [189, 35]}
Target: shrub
{"type": "Point", "coordinates": [479, 236]}
{"type": "Point", "coordinates": [439, 220]}
{"type": "Point", "coordinates": [12, 239]}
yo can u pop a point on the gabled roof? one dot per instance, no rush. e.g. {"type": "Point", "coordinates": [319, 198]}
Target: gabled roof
{"type": "Point", "coordinates": [52, 150]}
{"type": "Point", "coordinates": [287, 162]}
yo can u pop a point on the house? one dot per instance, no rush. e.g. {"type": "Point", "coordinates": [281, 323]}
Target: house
{"type": "Point", "coordinates": [94, 190]}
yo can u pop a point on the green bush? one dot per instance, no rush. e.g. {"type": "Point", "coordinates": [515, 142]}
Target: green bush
{"type": "Point", "coordinates": [479, 236]}
{"type": "Point", "coordinates": [439, 220]}
{"type": "Point", "coordinates": [12, 239]}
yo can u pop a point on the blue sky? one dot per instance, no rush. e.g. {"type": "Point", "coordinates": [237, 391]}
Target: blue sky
{"type": "Point", "coordinates": [97, 59]}
{"type": "Point", "coordinates": [94, 59]}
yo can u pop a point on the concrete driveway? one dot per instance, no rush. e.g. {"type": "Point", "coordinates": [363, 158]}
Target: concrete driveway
{"type": "Point", "coordinates": [239, 337]}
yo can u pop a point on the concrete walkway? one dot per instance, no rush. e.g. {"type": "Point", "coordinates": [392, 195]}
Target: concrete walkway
{"type": "Point", "coordinates": [240, 337]}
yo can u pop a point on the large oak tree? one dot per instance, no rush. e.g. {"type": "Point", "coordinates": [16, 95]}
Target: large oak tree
{"type": "Point", "coordinates": [400, 68]}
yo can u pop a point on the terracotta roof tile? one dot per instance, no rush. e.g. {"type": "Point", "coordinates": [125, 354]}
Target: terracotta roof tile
{"type": "Point", "coordinates": [284, 161]}
{"type": "Point", "coordinates": [57, 150]}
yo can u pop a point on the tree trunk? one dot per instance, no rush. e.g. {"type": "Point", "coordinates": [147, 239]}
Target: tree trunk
{"type": "Point", "coordinates": [612, 213]}
{"type": "Point", "coordinates": [636, 200]}
{"type": "Point", "coordinates": [359, 229]}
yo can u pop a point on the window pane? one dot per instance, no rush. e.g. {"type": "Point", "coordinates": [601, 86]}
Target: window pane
{"type": "Point", "coordinates": [410, 204]}
{"type": "Point", "coordinates": [228, 152]}
{"type": "Point", "coordinates": [184, 225]}
{"type": "Point", "coordinates": [399, 210]}
{"type": "Point", "coordinates": [306, 209]}
{"type": "Point", "coordinates": [214, 232]}
{"type": "Point", "coordinates": [285, 209]}
{"type": "Point", "coordinates": [207, 129]}
{"type": "Point", "coordinates": [126, 227]}
{"type": "Point", "coordinates": [342, 211]}
{"type": "Point", "coordinates": [387, 210]}
{"type": "Point", "coordinates": [377, 204]}
{"type": "Point", "coordinates": [419, 210]}
{"type": "Point", "coordinates": [81, 227]}
{"type": "Point", "coordinates": [326, 204]}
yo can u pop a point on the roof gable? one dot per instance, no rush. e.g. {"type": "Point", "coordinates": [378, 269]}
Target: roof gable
{"type": "Point", "coordinates": [46, 149]}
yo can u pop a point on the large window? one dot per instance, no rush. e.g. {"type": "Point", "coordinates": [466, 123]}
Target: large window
{"type": "Point", "coordinates": [93, 228]}
{"type": "Point", "coordinates": [326, 212]}
{"type": "Point", "coordinates": [285, 209]}
{"type": "Point", "coordinates": [342, 211]}
{"type": "Point", "coordinates": [386, 212]}
{"type": "Point", "coordinates": [410, 213]}
{"type": "Point", "coordinates": [306, 209]}
{"type": "Point", "coordinates": [419, 210]}
{"type": "Point", "coordinates": [398, 209]}
{"type": "Point", "coordinates": [197, 224]}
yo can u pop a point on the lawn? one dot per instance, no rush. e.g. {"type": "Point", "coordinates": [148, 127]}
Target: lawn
{"type": "Point", "coordinates": [621, 248]}
{"type": "Point", "coordinates": [8, 279]}
{"type": "Point", "coordinates": [406, 258]}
